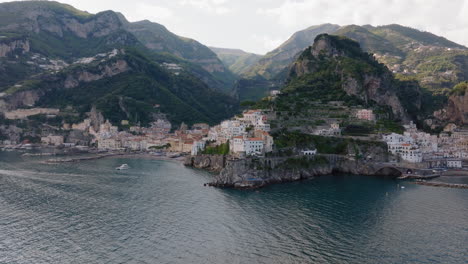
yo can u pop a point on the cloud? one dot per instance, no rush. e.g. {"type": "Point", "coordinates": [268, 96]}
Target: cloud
{"type": "Point", "coordinates": [150, 11]}
{"type": "Point", "coordinates": [209, 6]}
{"type": "Point", "coordinates": [266, 42]}
{"type": "Point", "coordinates": [447, 18]}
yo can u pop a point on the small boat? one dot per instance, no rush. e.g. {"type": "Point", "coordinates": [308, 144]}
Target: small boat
{"type": "Point", "coordinates": [123, 167]}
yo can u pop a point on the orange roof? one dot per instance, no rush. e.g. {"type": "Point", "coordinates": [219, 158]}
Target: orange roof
{"type": "Point", "coordinates": [255, 139]}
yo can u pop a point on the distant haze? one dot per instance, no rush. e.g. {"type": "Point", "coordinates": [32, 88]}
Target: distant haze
{"type": "Point", "coordinates": [261, 25]}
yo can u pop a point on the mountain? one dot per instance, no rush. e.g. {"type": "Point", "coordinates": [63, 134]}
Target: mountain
{"type": "Point", "coordinates": [235, 59]}
{"type": "Point", "coordinates": [336, 67]}
{"type": "Point", "coordinates": [333, 78]}
{"type": "Point", "coordinates": [276, 60]}
{"type": "Point", "coordinates": [157, 38]}
{"type": "Point", "coordinates": [53, 55]}
{"type": "Point", "coordinates": [435, 62]}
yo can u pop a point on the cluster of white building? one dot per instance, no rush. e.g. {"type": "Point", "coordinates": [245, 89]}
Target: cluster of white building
{"type": "Point", "coordinates": [332, 130]}
{"type": "Point", "coordinates": [446, 150]}
{"type": "Point", "coordinates": [247, 134]}
{"type": "Point", "coordinates": [412, 145]}
{"type": "Point", "coordinates": [110, 138]}
{"type": "Point", "coordinates": [157, 136]}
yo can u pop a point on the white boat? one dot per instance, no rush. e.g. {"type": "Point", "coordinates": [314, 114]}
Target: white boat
{"type": "Point", "coordinates": [123, 167]}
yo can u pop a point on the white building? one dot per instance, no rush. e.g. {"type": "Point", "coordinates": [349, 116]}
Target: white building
{"type": "Point", "coordinates": [261, 125]}
{"type": "Point", "coordinates": [404, 147]}
{"type": "Point", "coordinates": [197, 147]}
{"type": "Point", "coordinates": [253, 117]}
{"type": "Point", "coordinates": [247, 145]}
{"type": "Point", "coordinates": [309, 152]}
{"type": "Point", "coordinates": [237, 144]}
{"type": "Point", "coordinates": [253, 146]}
{"type": "Point", "coordinates": [109, 144]}
{"type": "Point", "coordinates": [454, 164]}
{"type": "Point", "coordinates": [232, 128]}
{"type": "Point", "coordinates": [52, 140]}
{"type": "Point", "coordinates": [333, 130]}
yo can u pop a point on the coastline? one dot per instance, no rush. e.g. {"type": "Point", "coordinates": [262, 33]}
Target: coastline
{"type": "Point", "coordinates": [219, 166]}
{"type": "Point", "coordinates": [258, 173]}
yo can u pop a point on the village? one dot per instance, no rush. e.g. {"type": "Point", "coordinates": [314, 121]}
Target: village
{"type": "Point", "coordinates": [248, 134]}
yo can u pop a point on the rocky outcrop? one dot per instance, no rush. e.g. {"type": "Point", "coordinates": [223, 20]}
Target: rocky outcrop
{"type": "Point", "coordinates": [456, 110]}
{"type": "Point", "coordinates": [104, 71]}
{"type": "Point", "coordinates": [23, 99]}
{"type": "Point", "coordinates": [246, 173]}
{"type": "Point", "coordinates": [16, 45]}
{"type": "Point", "coordinates": [377, 89]}
{"type": "Point", "coordinates": [280, 58]}
{"type": "Point", "coordinates": [257, 172]}
{"type": "Point", "coordinates": [360, 75]}
{"type": "Point", "coordinates": [212, 163]}
{"type": "Point", "coordinates": [57, 19]}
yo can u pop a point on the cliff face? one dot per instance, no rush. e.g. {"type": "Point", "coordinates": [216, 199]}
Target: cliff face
{"type": "Point", "coordinates": [456, 110]}
{"type": "Point", "coordinates": [103, 71]}
{"type": "Point", "coordinates": [57, 19]}
{"type": "Point", "coordinates": [260, 171]}
{"type": "Point", "coordinates": [212, 163]}
{"type": "Point", "coordinates": [15, 45]}
{"type": "Point", "coordinates": [358, 73]}
{"type": "Point", "coordinates": [278, 59]}
{"type": "Point", "coordinates": [246, 173]}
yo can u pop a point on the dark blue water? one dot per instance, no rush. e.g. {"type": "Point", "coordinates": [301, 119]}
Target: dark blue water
{"type": "Point", "coordinates": [159, 212]}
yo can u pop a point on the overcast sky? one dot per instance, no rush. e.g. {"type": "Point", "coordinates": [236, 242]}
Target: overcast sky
{"type": "Point", "coordinates": [261, 25]}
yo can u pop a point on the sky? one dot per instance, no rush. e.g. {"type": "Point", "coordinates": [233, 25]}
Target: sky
{"type": "Point", "coordinates": [261, 25]}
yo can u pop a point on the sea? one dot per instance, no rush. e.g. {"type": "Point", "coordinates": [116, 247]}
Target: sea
{"type": "Point", "coordinates": [160, 212]}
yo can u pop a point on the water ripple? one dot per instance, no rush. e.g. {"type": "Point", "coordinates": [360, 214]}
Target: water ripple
{"type": "Point", "coordinates": [159, 212]}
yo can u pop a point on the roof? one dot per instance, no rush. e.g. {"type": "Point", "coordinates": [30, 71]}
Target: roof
{"type": "Point", "coordinates": [255, 139]}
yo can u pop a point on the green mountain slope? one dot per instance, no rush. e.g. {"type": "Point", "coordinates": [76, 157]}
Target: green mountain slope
{"type": "Point", "coordinates": [274, 61]}
{"type": "Point", "coordinates": [57, 31]}
{"type": "Point", "coordinates": [435, 62]}
{"type": "Point", "coordinates": [238, 61]}
{"type": "Point", "coordinates": [336, 69]}
{"type": "Point", "coordinates": [125, 86]}
{"type": "Point", "coordinates": [52, 55]}
{"type": "Point", "coordinates": [157, 38]}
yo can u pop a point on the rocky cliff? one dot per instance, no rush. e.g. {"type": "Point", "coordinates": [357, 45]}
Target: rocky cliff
{"type": "Point", "coordinates": [357, 73]}
{"type": "Point", "coordinates": [259, 172]}
{"type": "Point", "coordinates": [212, 163]}
{"type": "Point", "coordinates": [14, 46]}
{"type": "Point", "coordinates": [362, 158]}
{"type": "Point", "coordinates": [456, 110]}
